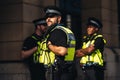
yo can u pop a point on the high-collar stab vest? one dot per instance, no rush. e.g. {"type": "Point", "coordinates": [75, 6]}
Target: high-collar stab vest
{"type": "Point", "coordinates": [47, 57]}
{"type": "Point", "coordinates": [96, 57]}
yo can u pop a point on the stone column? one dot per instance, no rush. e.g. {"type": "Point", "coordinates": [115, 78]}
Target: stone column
{"type": "Point", "coordinates": [106, 11]}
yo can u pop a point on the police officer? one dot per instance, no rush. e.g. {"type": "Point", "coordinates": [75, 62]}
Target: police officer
{"type": "Point", "coordinates": [30, 50]}
{"type": "Point", "coordinates": [60, 43]}
{"type": "Point", "coordinates": [91, 53]}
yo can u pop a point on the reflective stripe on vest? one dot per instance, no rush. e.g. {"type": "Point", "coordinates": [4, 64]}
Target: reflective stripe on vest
{"type": "Point", "coordinates": [36, 54]}
{"type": "Point", "coordinates": [47, 57]}
{"type": "Point", "coordinates": [71, 42]}
{"type": "Point", "coordinates": [96, 56]}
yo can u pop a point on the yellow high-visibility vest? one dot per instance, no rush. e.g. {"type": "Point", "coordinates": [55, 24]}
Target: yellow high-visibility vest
{"type": "Point", "coordinates": [95, 56]}
{"type": "Point", "coordinates": [36, 53]}
{"type": "Point", "coordinates": [47, 57]}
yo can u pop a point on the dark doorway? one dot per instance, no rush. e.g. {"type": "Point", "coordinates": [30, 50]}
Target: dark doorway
{"type": "Point", "coordinates": [119, 19]}
{"type": "Point", "coordinates": [72, 17]}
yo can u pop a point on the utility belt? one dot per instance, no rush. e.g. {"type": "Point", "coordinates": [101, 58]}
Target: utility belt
{"type": "Point", "coordinates": [63, 66]}
{"type": "Point", "coordinates": [91, 65]}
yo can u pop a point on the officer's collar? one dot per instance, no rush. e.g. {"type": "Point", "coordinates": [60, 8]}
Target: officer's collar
{"type": "Point", "coordinates": [92, 34]}
{"type": "Point", "coordinates": [37, 36]}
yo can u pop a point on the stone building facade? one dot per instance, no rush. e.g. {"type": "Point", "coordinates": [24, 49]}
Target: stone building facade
{"type": "Point", "coordinates": [16, 18]}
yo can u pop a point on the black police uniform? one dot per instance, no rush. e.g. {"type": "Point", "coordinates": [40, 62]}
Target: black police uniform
{"type": "Point", "coordinates": [59, 38]}
{"type": "Point", "coordinates": [94, 72]}
{"type": "Point", "coordinates": [64, 72]}
{"type": "Point", "coordinates": [37, 70]}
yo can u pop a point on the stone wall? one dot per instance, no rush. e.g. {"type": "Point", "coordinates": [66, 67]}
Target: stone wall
{"type": "Point", "coordinates": [112, 57]}
{"type": "Point", "coordinates": [14, 71]}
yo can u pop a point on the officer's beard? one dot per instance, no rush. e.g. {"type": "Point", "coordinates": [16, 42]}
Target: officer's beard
{"type": "Point", "coordinates": [49, 29]}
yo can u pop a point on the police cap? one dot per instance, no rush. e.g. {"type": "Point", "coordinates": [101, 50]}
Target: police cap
{"type": "Point", "coordinates": [51, 11]}
{"type": "Point", "coordinates": [94, 22]}
{"type": "Point", "coordinates": [40, 21]}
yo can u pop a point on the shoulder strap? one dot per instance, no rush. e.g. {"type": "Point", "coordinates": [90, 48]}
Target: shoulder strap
{"type": "Point", "coordinates": [68, 32]}
{"type": "Point", "coordinates": [97, 36]}
{"type": "Point", "coordinates": [34, 37]}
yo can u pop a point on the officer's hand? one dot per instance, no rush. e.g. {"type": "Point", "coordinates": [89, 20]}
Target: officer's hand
{"type": "Point", "coordinates": [49, 43]}
{"type": "Point", "coordinates": [91, 48]}
{"type": "Point", "coordinates": [79, 53]}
